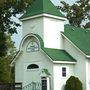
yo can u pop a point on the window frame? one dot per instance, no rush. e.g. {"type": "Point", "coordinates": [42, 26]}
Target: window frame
{"type": "Point", "coordinates": [64, 72]}
{"type": "Point", "coordinates": [31, 67]}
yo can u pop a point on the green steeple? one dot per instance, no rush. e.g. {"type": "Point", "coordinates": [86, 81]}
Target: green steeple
{"type": "Point", "coordinates": [40, 7]}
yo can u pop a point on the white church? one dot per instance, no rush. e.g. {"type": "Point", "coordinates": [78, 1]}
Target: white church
{"type": "Point", "coordinates": [50, 51]}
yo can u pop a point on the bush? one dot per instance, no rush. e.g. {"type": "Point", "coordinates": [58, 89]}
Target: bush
{"type": "Point", "coordinates": [73, 83]}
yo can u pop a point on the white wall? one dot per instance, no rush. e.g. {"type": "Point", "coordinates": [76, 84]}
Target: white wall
{"type": "Point", "coordinates": [39, 58]}
{"type": "Point", "coordinates": [48, 28]}
{"type": "Point", "coordinates": [59, 81]}
{"type": "Point", "coordinates": [33, 26]}
{"type": "Point", "coordinates": [52, 35]}
{"type": "Point", "coordinates": [80, 67]}
{"type": "Point", "coordinates": [88, 74]}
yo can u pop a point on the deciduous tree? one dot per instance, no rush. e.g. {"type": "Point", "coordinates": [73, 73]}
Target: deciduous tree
{"type": "Point", "coordinates": [9, 9]}
{"type": "Point", "coordinates": [77, 13]}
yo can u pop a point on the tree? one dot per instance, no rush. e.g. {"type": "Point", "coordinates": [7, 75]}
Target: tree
{"type": "Point", "coordinates": [9, 9]}
{"type": "Point", "coordinates": [5, 70]}
{"type": "Point", "coordinates": [73, 83]}
{"type": "Point", "coordinates": [77, 12]}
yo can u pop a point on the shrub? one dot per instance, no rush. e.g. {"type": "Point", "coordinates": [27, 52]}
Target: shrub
{"type": "Point", "coordinates": [73, 83]}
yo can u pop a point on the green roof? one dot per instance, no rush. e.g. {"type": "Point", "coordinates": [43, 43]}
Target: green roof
{"type": "Point", "coordinates": [55, 54]}
{"type": "Point", "coordinates": [46, 72]}
{"type": "Point", "coordinates": [40, 7]}
{"type": "Point", "coordinates": [80, 37]}
{"type": "Point", "coordinates": [58, 55]}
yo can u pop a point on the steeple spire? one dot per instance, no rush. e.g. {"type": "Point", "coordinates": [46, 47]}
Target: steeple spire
{"type": "Point", "coordinates": [42, 7]}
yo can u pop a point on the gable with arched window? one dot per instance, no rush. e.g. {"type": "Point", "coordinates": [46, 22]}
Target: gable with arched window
{"type": "Point", "coordinates": [33, 45]}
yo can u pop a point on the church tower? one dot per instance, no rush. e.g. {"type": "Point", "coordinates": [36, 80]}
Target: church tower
{"type": "Point", "coordinates": [44, 19]}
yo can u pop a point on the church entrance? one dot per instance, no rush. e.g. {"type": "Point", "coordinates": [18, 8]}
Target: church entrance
{"type": "Point", "coordinates": [44, 83]}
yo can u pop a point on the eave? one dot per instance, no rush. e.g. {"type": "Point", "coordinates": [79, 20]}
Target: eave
{"type": "Point", "coordinates": [14, 59]}
{"type": "Point", "coordinates": [87, 56]}
{"type": "Point", "coordinates": [64, 62]}
{"type": "Point", "coordinates": [44, 15]}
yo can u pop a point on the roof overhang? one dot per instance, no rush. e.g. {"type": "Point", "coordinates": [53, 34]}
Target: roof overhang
{"type": "Point", "coordinates": [65, 62]}
{"type": "Point", "coordinates": [87, 56]}
{"type": "Point", "coordinates": [14, 60]}
{"type": "Point", "coordinates": [44, 15]}
{"type": "Point", "coordinates": [58, 62]}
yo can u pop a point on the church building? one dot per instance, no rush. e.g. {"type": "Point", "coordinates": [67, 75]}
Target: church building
{"type": "Point", "coordinates": [50, 51]}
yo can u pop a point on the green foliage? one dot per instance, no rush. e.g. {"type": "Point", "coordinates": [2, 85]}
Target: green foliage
{"type": "Point", "coordinates": [77, 12]}
{"type": "Point", "coordinates": [9, 9]}
{"type": "Point", "coordinates": [5, 70]}
{"type": "Point", "coordinates": [73, 83]}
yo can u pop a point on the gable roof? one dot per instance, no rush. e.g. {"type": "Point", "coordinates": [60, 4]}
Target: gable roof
{"type": "Point", "coordinates": [40, 7]}
{"type": "Point", "coordinates": [80, 37]}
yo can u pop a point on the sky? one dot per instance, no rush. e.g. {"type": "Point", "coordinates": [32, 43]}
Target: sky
{"type": "Point", "coordinates": [17, 37]}
{"type": "Point", "coordinates": [56, 2]}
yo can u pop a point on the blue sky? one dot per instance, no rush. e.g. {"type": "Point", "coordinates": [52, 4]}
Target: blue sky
{"type": "Point", "coordinates": [17, 37]}
{"type": "Point", "coordinates": [56, 2]}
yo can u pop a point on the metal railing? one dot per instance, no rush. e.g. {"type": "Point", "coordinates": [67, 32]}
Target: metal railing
{"type": "Point", "coordinates": [32, 86]}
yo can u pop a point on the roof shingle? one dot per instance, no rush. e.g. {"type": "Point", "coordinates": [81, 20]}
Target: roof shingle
{"type": "Point", "coordinates": [80, 37]}
{"type": "Point", "coordinates": [40, 7]}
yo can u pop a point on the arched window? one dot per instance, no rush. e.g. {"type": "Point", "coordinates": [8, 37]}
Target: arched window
{"type": "Point", "coordinates": [32, 66]}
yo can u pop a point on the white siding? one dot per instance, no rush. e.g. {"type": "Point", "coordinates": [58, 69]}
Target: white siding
{"type": "Point", "coordinates": [88, 74]}
{"type": "Point", "coordinates": [59, 81]}
{"type": "Point", "coordinates": [39, 58]}
{"type": "Point", "coordinates": [80, 67]}
{"type": "Point", "coordinates": [52, 33]}
{"type": "Point", "coordinates": [33, 26]}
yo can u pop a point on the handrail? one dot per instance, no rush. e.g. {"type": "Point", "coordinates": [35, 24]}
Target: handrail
{"type": "Point", "coordinates": [32, 86]}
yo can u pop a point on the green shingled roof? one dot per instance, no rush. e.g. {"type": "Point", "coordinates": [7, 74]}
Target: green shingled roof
{"type": "Point", "coordinates": [80, 37]}
{"type": "Point", "coordinates": [58, 55]}
{"type": "Point", "coordinates": [55, 54]}
{"type": "Point", "coordinates": [40, 7]}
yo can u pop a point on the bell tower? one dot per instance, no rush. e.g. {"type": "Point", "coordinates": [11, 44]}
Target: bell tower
{"type": "Point", "coordinates": [44, 19]}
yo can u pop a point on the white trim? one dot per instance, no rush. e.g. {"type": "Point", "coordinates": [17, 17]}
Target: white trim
{"type": "Point", "coordinates": [20, 47]}
{"type": "Point", "coordinates": [87, 56]}
{"type": "Point", "coordinates": [44, 15]}
{"type": "Point", "coordinates": [67, 72]}
{"type": "Point", "coordinates": [48, 83]}
{"type": "Point", "coordinates": [65, 62]}
{"type": "Point", "coordinates": [47, 55]}
{"type": "Point", "coordinates": [23, 39]}
{"type": "Point", "coordinates": [12, 63]}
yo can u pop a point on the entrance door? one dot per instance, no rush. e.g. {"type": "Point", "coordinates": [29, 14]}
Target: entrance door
{"type": "Point", "coordinates": [44, 83]}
